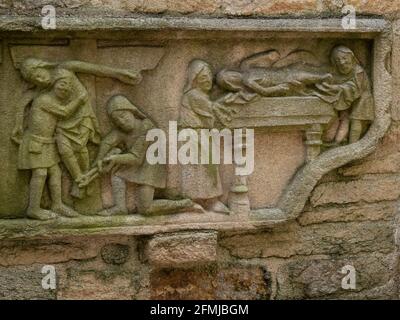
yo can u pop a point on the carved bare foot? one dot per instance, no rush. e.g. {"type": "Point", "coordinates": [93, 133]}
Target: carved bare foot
{"type": "Point", "coordinates": [65, 211]}
{"type": "Point", "coordinates": [219, 207]}
{"type": "Point", "coordinates": [114, 211]}
{"type": "Point", "coordinates": [197, 208]}
{"type": "Point", "coordinates": [40, 214]}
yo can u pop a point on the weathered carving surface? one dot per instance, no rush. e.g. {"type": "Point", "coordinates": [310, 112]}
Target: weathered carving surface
{"type": "Point", "coordinates": [84, 128]}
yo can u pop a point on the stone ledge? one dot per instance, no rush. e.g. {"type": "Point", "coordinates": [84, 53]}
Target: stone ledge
{"type": "Point", "coordinates": [29, 24]}
{"type": "Point", "coordinates": [135, 225]}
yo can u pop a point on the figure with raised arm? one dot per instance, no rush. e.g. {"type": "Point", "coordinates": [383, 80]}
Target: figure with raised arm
{"type": "Point", "coordinates": [38, 150]}
{"type": "Point", "coordinates": [123, 152]}
{"type": "Point", "coordinates": [73, 133]}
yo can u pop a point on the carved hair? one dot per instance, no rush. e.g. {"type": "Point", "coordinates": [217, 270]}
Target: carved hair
{"type": "Point", "coordinates": [29, 65]}
{"type": "Point", "coordinates": [121, 103]}
{"type": "Point", "coordinates": [194, 69]}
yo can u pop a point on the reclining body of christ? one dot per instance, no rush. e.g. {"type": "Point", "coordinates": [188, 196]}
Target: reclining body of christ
{"type": "Point", "coordinates": [269, 82]}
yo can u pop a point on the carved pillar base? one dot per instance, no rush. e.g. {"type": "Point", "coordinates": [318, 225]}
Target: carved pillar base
{"type": "Point", "coordinates": [313, 142]}
{"type": "Point", "coordinates": [238, 201]}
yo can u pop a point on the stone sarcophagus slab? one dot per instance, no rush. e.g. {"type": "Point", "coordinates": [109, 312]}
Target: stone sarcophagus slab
{"type": "Point", "coordinates": [284, 112]}
{"type": "Point", "coordinates": [87, 109]}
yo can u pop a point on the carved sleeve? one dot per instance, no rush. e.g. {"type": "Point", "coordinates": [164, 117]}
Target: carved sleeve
{"type": "Point", "coordinates": [63, 111]}
{"type": "Point", "coordinates": [102, 71]}
{"type": "Point", "coordinates": [109, 142]}
{"type": "Point", "coordinates": [350, 91]}
{"type": "Point", "coordinates": [201, 105]}
{"type": "Point", "coordinates": [138, 150]}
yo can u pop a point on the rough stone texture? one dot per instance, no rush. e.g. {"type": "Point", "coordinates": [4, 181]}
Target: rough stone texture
{"type": "Point", "coordinates": [181, 249]}
{"type": "Point", "coordinates": [322, 278]}
{"type": "Point", "coordinates": [370, 189]}
{"type": "Point", "coordinates": [222, 282]}
{"type": "Point", "coordinates": [352, 217]}
{"type": "Point", "coordinates": [23, 282]}
{"type": "Point", "coordinates": [328, 239]}
{"type": "Point", "coordinates": [386, 158]}
{"type": "Point", "coordinates": [212, 7]}
{"type": "Point", "coordinates": [115, 253]}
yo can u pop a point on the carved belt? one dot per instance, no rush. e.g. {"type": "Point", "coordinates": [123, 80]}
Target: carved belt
{"type": "Point", "coordinates": [42, 139]}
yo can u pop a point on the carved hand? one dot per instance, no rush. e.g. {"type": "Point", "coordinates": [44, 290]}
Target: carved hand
{"type": "Point", "coordinates": [17, 134]}
{"type": "Point", "coordinates": [331, 89]}
{"type": "Point", "coordinates": [327, 78]}
{"type": "Point", "coordinates": [129, 77]}
{"type": "Point", "coordinates": [111, 161]}
{"type": "Point", "coordinates": [84, 97]}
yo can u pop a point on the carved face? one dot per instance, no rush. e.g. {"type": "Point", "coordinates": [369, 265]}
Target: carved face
{"type": "Point", "coordinates": [41, 77]}
{"type": "Point", "coordinates": [63, 88]}
{"type": "Point", "coordinates": [204, 80]}
{"type": "Point", "coordinates": [124, 120]}
{"type": "Point", "coordinates": [344, 62]}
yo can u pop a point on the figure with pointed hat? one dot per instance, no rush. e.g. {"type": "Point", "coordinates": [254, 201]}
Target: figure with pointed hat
{"type": "Point", "coordinates": [129, 163]}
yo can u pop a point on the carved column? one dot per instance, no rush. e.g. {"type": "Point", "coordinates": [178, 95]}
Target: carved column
{"type": "Point", "coordinates": [239, 202]}
{"type": "Point", "coordinates": [313, 142]}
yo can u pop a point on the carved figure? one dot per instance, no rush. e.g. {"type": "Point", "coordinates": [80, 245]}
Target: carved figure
{"type": "Point", "coordinates": [290, 81]}
{"type": "Point", "coordinates": [73, 132]}
{"type": "Point", "coordinates": [38, 151]}
{"type": "Point", "coordinates": [201, 182]}
{"type": "Point", "coordinates": [129, 162]}
{"type": "Point", "coordinates": [350, 91]}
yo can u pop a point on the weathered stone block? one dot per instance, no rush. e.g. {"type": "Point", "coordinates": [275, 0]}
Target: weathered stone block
{"type": "Point", "coordinates": [25, 252]}
{"type": "Point", "coordinates": [328, 238]}
{"type": "Point", "coordinates": [184, 249]}
{"type": "Point", "coordinates": [382, 188]}
{"type": "Point", "coordinates": [23, 283]}
{"type": "Point", "coordinates": [322, 278]}
{"type": "Point", "coordinates": [222, 282]}
{"type": "Point", "coordinates": [354, 212]}
{"type": "Point", "coordinates": [97, 285]}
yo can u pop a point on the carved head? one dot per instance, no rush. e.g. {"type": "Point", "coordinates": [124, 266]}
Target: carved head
{"type": "Point", "coordinates": [123, 113]}
{"type": "Point", "coordinates": [63, 84]}
{"type": "Point", "coordinates": [230, 80]}
{"type": "Point", "coordinates": [37, 72]}
{"type": "Point", "coordinates": [343, 59]}
{"type": "Point", "coordinates": [199, 76]}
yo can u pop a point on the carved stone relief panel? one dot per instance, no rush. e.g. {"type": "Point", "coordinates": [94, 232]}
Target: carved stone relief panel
{"type": "Point", "coordinates": [109, 130]}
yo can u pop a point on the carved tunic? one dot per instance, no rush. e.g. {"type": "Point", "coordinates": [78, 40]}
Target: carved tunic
{"type": "Point", "coordinates": [197, 111]}
{"type": "Point", "coordinates": [135, 143]}
{"type": "Point", "coordinates": [81, 126]}
{"type": "Point", "coordinates": [199, 181]}
{"type": "Point", "coordinates": [358, 93]}
{"type": "Point", "coordinates": [354, 94]}
{"type": "Point", "coordinates": [38, 148]}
